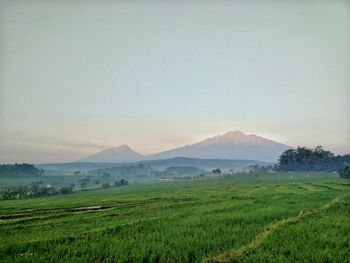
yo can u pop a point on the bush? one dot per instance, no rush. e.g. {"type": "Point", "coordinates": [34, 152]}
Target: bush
{"type": "Point", "coordinates": [121, 182]}
{"type": "Point", "coordinates": [66, 190]}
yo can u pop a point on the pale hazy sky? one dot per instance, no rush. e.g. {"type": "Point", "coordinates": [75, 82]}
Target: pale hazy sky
{"type": "Point", "coordinates": [79, 76]}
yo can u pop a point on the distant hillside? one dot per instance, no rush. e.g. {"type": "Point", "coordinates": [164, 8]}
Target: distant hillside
{"type": "Point", "coordinates": [207, 164]}
{"type": "Point", "coordinates": [70, 168]}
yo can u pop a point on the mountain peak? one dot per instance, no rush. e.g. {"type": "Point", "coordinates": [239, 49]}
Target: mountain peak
{"type": "Point", "coordinates": [121, 153]}
{"type": "Point", "coordinates": [121, 147]}
{"type": "Point", "coordinates": [233, 134]}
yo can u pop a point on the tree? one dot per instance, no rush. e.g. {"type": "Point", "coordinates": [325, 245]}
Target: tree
{"type": "Point", "coordinates": [121, 182]}
{"type": "Point", "coordinates": [216, 171]}
{"type": "Point", "coordinates": [83, 182]}
{"type": "Point", "coordinates": [66, 189]}
{"type": "Point", "coordinates": [344, 172]}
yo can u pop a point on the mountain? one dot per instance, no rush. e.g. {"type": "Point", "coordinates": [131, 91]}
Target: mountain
{"type": "Point", "coordinates": [122, 153]}
{"type": "Point", "coordinates": [233, 145]}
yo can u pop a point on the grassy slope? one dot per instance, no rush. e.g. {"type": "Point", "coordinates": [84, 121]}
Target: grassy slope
{"type": "Point", "coordinates": [182, 221]}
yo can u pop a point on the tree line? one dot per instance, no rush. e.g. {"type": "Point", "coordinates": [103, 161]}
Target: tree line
{"type": "Point", "coordinates": [20, 170]}
{"type": "Point", "coordinates": [318, 159]}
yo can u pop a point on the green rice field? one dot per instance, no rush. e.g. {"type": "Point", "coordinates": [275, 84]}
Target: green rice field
{"type": "Point", "coordinates": [277, 217]}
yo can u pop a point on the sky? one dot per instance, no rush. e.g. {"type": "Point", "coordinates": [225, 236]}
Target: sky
{"type": "Point", "coordinates": [77, 77]}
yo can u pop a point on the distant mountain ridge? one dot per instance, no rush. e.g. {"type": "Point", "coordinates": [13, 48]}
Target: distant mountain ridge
{"type": "Point", "coordinates": [203, 163]}
{"type": "Point", "coordinates": [234, 145]}
{"type": "Point", "coordinates": [206, 164]}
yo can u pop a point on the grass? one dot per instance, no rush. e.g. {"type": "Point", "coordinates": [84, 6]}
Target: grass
{"type": "Point", "coordinates": [265, 217]}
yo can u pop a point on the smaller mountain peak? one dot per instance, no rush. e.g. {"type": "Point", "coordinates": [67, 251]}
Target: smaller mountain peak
{"type": "Point", "coordinates": [121, 153]}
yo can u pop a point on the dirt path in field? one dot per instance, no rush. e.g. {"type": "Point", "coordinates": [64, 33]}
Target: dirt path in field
{"type": "Point", "coordinates": [235, 254]}
{"type": "Point", "coordinates": [47, 213]}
